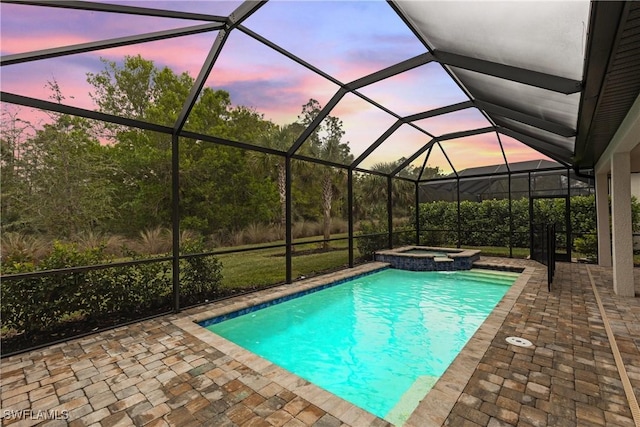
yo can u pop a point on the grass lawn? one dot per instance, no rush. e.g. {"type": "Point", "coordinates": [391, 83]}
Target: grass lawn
{"type": "Point", "coordinates": [267, 266]}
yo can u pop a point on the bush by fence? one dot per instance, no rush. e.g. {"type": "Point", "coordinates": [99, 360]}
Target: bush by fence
{"type": "Point", "coordinates": [486, 223]}
{"type": "Point", "coordinates": [104, 296]}
{"type": "Point", "coordinates": [374, 236]}
{"type": "Point", "coordinates": [483, 223]}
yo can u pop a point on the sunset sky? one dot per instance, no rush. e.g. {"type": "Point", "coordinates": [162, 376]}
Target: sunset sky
{"type": "Point", "coordinates": [347, 39]}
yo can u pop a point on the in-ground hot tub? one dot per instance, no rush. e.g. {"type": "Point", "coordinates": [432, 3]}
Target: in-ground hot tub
{"type": "Point", "coordinates": [427, 258]}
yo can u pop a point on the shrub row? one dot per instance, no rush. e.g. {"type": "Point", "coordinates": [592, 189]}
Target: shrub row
{"type": "Point", "coordinates": [373, 237]}
{"type": "Point", "coordinates": [486, 223]}
{"type": "Point", "coordinates": [99, 296]}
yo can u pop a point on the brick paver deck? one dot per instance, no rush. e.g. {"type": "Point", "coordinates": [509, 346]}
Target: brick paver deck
{"type": "Point", "coordinates": [169, 371]}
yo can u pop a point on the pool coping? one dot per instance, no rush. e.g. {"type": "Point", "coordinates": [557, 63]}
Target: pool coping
{"type": "Point", "coordinates": [433, 409]}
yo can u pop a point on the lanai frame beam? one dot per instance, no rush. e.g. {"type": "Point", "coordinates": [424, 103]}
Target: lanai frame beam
{"type": "Point", "coordinates": [20, 58]}
{"type": "Point", "coordinates": [116, 8]}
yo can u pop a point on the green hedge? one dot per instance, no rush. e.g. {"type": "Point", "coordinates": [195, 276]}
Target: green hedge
{"type": "Point", "coordinates": [100, 296]}
{"type": "Point", "coordinates": [367, 245]}
{"type": "Point", "coordinates": [483, 223]}
{"type": "Point", "coordinates": [486, 223]}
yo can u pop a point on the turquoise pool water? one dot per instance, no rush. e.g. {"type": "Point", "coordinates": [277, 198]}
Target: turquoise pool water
{"type": "Point", "coordinates": [372, 339]}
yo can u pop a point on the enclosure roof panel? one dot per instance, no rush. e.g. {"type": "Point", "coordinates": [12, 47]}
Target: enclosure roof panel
{"type": "Point", "coordinates": [530, 165]}
{"type": "Point", "coordinates": [548, 38]}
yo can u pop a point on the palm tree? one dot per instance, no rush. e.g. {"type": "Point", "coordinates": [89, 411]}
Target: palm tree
{"type": "Point", "coordinates": [279, 138]}
{"type": "Point", "coordinates": [403, 193]}
{"type": "Point", "coordinates": [371, 194]}
{"type": "Point", "coordinates": [326, 144]}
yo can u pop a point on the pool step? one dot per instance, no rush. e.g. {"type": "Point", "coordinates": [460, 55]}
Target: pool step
{"type": "Point", "coordinates": [484, 277]}
{"type": "Point", "coordinates": [490, 273]}
{"type": "Point", "coordinates": [483, 280]}
{"type": "Point", "coordinates": [494, 273]}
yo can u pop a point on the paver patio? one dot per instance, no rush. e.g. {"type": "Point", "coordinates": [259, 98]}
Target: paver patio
{"type": "Point", "coordinates": [169, 371]}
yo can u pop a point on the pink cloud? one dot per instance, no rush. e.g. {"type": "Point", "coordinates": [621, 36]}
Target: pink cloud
{"type": "Point", "coordinates": [403, 143]}
{"type": "Point", "coordinates": [348, 70]}
{"type": "Point", "coordinates": [473, 151]}
{"type": "Point", "coordinates": [13, 44]}
{"type": "Point", "coordinates": [44, 27]}
{"type": "Point", "coordinates": [519, 152]}
{"type": "Point", "coordinates": [30, 80]}
{"type": "Point", "coordinates": [223, 75]}
{"type": "Point", "coordinates": [437, 159]}
{"type": "Point", "coordinates": [484, 150]}
{"type": "Point", "coordinates": [181, 54]}
{"type": "Point", "coordinates": [70, 72]}
{"type": "Point", "coordinates": [277, 90]}
{"type": "Point", "coordinates": [420, 89]}
{"type": "Point", "coordinates": [349, 105]}
{"type": "Point", "coordinates": [28, 119]}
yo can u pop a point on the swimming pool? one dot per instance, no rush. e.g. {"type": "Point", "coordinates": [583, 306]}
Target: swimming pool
{"type": "Point", "coordinates": [379, 341]}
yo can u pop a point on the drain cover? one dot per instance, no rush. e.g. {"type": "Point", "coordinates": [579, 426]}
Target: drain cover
{"type": "Point", "coordinates": [520, 342]}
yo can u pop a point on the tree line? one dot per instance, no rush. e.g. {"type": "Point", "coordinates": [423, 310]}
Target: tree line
{"type": "Point", "coordinates": [73, 175]}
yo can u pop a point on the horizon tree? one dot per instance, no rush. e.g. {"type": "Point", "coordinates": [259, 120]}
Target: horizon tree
{"type": "Point", "coordinates": [278, 137]}
{"type": "Point", "coordinates": [326, 144]}
{"type": "Point", "coordinates": [217, 189]}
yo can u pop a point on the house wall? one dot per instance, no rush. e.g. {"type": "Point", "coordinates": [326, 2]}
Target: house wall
{"type": "Point", "coordinates": [635, 192]}
{"type": "Point", "coordinates": [635, 185]}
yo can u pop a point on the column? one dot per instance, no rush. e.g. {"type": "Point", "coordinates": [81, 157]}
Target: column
{"type": "Point", "coordinates": [621, 224]}
{"type": "Point", "coordinates": [602, 210]}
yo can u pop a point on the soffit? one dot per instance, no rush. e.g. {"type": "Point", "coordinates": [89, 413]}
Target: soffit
{"type": "Point", "coordinates": [612, 80]}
